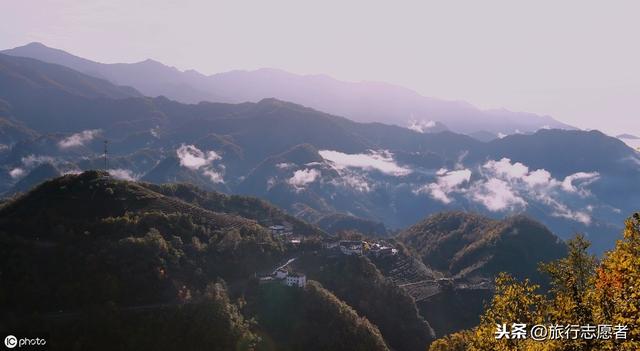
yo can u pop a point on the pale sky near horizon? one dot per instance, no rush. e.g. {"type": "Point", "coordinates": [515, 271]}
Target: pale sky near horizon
{"type": "Point", "coordinates": [578, 61]}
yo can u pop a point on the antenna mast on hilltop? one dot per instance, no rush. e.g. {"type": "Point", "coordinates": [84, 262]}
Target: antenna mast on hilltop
{"type": "Point", "coordinates": [106, 165]}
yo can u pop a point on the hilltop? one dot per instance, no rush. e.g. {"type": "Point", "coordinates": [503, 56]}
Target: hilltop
{"type": "Point", "coordinates": [462, 253]}
{"type": "Point", "coordinates": [467, 244]}
{"type": "Point", "coordinates": [94, 254]}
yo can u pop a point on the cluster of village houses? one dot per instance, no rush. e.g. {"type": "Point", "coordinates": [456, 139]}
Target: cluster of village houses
{"type": "Point", "coordinates": [361, 247]}
{"type": "Point", "coordinates": [285, 231]}
{"type": "Point", "coordinates": [348, 247]}
{"type": "Point", "coordinates": [377, 248]}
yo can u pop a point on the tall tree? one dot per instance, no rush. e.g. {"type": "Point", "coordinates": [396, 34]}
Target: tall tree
{"type": "Point", "coordinates": [617, 288]}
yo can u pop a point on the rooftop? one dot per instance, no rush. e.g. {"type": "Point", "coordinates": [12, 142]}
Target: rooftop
{"type": "Point", "coordinates": [297, 275]}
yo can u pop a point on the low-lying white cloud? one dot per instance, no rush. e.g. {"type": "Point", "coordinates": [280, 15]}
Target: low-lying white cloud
{"type": "Point", "coordinates": [503, 185]}
{"type": "Point", "coordinates": [356, 182]}
{"type": "Point", "coordinates": [78, 139]}
{"type": "Point", "coordinates": [214, 176]}
{"type": "Point", "coordinates": [505, 169]}
{"type": "Point", "coordinates": [194, 158]}
{"type": "Point", "coordinates": [74, 171]}
{"type": "Point", "coordinates": [284, 165]}
{"type": "Point", "coordinates": [583, 178]}
{"type": "Point", "coordinates": [508, 184]}
{"type": "Point", "coordinates": [16, 173]}
{"type": "Point", "coordinates": [155, 132]}
{"type": "Point", "coordinates": [560, 209]}
{"type": "Point", "coordinates": [28, 163]}
{"type": "Point", "coordinates": [197, 160]}
{"type": "Point", "coordinates": [447, 182]}
{"type": "Point", "coordinates": [381, 161]}
{"type": "Point", "coordinates": [124, 174]}
{"type": "Point", "coordinates": [539, 177]}
{"type": "Point", "coordinates": [31, 161]}
{"type": "Point", "coordinates": [352, 180]}
{"type": "Point", "coordinates": [302, 177]}
{"type": "Point", "coordinates": [421, 126]}
{"type": "Point", "coordinates": [497, 195]}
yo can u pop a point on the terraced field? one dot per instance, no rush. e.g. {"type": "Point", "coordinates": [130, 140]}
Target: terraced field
{"type": "Point", "coordinates": [404, 269]}
{"type": "Point", "coordinates": [420, 281]}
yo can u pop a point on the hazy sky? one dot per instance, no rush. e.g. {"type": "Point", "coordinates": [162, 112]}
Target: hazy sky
{"type": "Point", "coordinates": [578, 61]}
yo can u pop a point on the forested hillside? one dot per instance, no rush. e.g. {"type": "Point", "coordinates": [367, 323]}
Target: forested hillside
{"type": "Point", "coordinates": [89, 254]}
{"type": "Point", "coordinates": [466, 244]}
{"type": "Point", "coordinates": [584, 291]}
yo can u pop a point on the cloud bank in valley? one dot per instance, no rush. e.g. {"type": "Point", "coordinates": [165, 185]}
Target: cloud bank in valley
{"type": "Point", "coordinates": [447, 182]}
{"type": "Point", "coordinates": [504, 186]}
{"type": "Point", "coordinates": [16, 173]}
{"type": "Point", "coordinates": [583, 178]}
{"type": "Point", "coordinates": [124, 174]}
{"type": "Point", "coordinates": [497, 195]}
{"type": "Point", "coordinates": [381, 161]}
{"type": "Point", "coordinates": [302, 177]}
{"type": "Point", "coordinates": [354, 181]}
{"type": "Point", "coordinates": [194, 158]}
{"type": "Point", "coordinates": [197, 160]}
{"type": "Point", "coordinates": [78, 139]}
{"type": "Point", "coordinates": [28, 163]}
{"type": "Point", "coordinates": [421, 126]}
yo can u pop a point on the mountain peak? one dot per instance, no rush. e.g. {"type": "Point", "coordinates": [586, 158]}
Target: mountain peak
{"type": "Point", "coordinates": [34, 48]}
{"type": "Point", "coordinates": [152, 62]}
{"type": "Point", "coordinates": [41, 52]}
{"type": "Point", "coordinates": [360, 101]}
{"type": "Point", "coordinates": [270, 100]}
{"type": "Point", "coordinates": [35, 44]}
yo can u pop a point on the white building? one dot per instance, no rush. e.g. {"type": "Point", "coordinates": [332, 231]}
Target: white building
{"type": "Point", "coordinates": [281, 274]}
{"type": "Point", "coordinates": [296, 279]}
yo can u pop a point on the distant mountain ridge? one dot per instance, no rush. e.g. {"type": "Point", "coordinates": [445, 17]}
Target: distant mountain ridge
{"type": "Point", "coordinates": [310, 163]}
{"type": "Point", "coordinates": [627, 136]}
{"type": "Point", "coordinates": [23, 71]}
{"type": "Point", "coordinates": [359, 101]}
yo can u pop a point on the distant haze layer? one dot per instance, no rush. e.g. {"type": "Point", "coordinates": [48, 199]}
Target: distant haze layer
{"type": "Point", "coordinates": [572, 60]}
{"type": "Point", "coordinates": [362, 102]}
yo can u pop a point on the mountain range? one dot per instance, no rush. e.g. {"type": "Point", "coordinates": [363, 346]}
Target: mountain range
{"type": "Point", "coordinates": [138, 203]}
{"type": "Point", "coordinates": [93, 255]}
{"type": "Point", "coordinates": [312, 164]}
{"type": "Point", "coordinates": [358, 101]}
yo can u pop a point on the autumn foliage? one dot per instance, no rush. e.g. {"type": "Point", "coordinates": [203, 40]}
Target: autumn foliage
{"type": "Point", "coordinates": [582, 291]}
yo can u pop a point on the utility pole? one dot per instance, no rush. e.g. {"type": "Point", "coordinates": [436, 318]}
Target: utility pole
{"type": "Point", "coordinates": [106, 164]}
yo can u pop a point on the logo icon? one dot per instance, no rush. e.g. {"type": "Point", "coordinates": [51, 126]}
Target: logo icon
{"type": "Point", "coordinates": [10, 341]}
